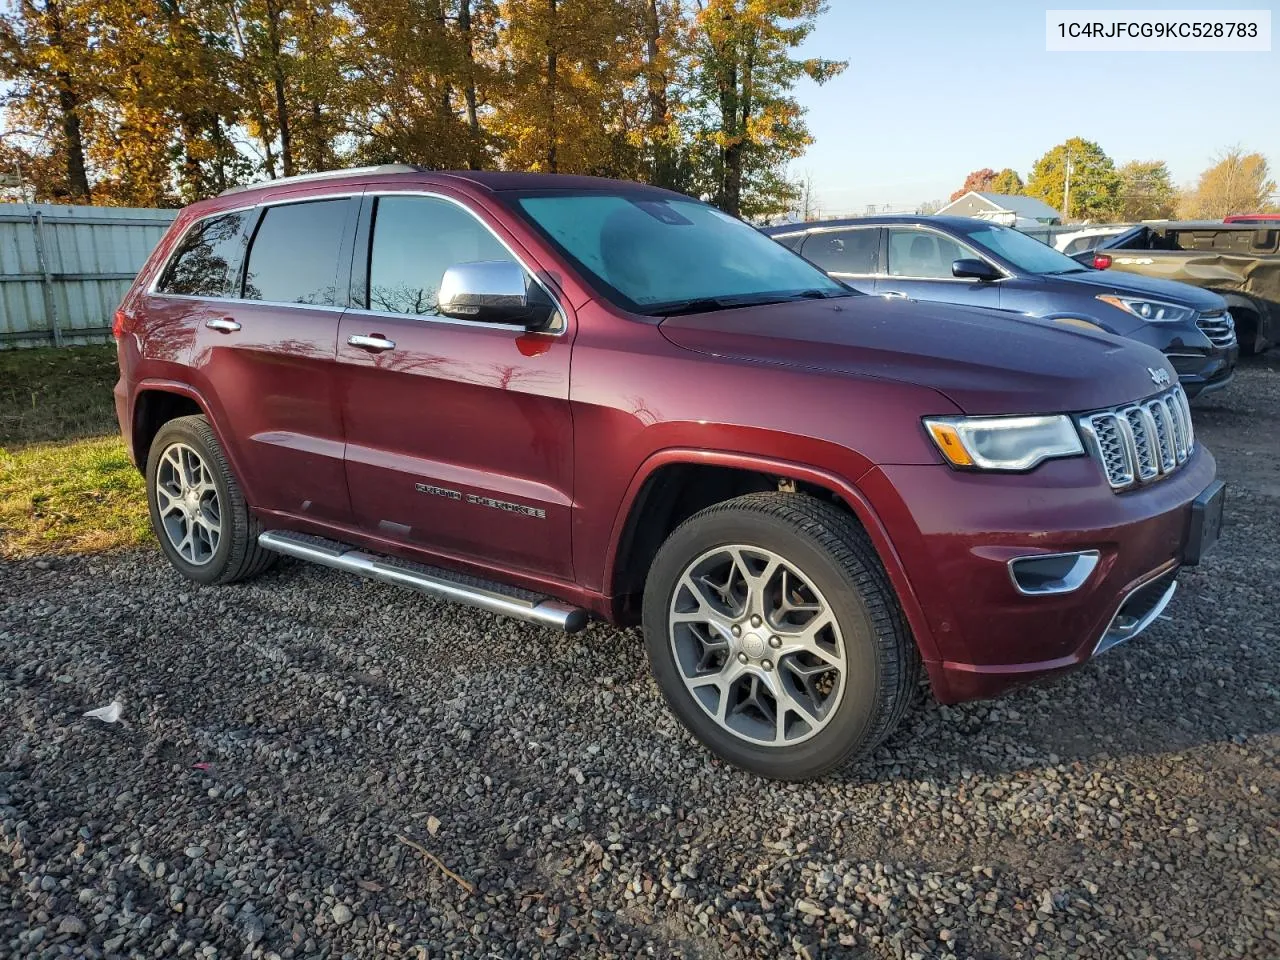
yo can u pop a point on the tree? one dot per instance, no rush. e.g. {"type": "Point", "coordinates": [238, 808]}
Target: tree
{"type": "Point", "coordinates": [978, 181]}
{"type": "Point", "coordinates": [1238, 182]}
{"type": "Point", "coordinates": [46, 52]}
{"type": "Point", "coordinates": [1092, 190]}
{"type": "Point", "coordinates": [1146, 191]}
{"type": "Point", "coordinates": [748, 124]}
{"type": "Point", "coordinates": [1007, 182]}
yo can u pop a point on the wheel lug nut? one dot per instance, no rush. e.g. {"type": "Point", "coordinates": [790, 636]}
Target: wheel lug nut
{"type": "Point", "coordinates": [742, 658]}
{"type": "Point", "coordinates": [767, 664]}
{"type": "Point", "coordinates": [775, 642]}
{"type": "Point", "coordinates": [737, 630]}
{"type": "Point", "coordinates": [755, 620]}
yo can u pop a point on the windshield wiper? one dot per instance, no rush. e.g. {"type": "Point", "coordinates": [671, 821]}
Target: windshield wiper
{"type": "Point", "coordinates": [701, 305]}
{"type": "Point", "coordinates": [710, 304]}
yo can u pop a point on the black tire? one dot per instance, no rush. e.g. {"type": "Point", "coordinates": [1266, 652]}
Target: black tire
{"type": "Point", "coordinates": [834, 551]}
{"type": "Point", "coordinates": [237, 555]}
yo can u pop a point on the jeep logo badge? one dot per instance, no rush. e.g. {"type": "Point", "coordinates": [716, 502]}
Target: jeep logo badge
{"type": "Point", "coordinates": [1160, 377]}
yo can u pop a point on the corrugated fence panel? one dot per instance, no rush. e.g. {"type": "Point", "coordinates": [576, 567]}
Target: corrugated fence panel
{"type": "Point", "coordinates": [91, 255]}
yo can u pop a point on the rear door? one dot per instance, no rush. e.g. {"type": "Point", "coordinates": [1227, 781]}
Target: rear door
{"type": "Point", "coordinates": [459, 438]}
{"type": "Point", "coordinates": [265, 359]}
{"type": "Point", "coordinates": [918, 265]}
{"type": "Point", "coordinates": [850, 254]}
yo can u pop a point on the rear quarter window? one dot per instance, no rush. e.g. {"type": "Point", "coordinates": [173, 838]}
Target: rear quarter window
{"type": "Point", "coordinates": [207, 262]}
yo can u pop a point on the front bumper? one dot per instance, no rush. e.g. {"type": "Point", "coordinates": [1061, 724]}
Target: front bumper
{"type": "Point", "coordinates": [955, 534]}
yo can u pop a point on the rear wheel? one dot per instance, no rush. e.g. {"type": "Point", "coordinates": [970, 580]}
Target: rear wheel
{"type": "Point", "coordinates": [775, 637]}
{"type": "Point", "coordinates": [197, 510]}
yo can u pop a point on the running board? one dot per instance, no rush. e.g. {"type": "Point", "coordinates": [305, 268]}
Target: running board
{"type": "Point", "coordinates": [485, 594]}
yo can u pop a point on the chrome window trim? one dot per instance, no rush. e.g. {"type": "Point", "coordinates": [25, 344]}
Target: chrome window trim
{"type": "Point", "coordinates": [556, 330]}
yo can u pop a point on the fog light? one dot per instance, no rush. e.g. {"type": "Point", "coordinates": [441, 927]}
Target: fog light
{"type": "Point", "coordinates": [1049, 573]}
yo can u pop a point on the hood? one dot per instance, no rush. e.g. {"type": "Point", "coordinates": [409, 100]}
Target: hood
{"type": "Point", "coordinates": [1131, 284]}
{"type": "Point", "coordinates": [984, 361]}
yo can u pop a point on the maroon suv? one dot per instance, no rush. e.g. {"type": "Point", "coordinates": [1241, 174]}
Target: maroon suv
{"type": "Point", "coordinates": [561, 397]}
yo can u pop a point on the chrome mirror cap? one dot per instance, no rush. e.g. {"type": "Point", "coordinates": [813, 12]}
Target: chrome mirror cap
{"type": "Point", "coordinates": [489, 291]}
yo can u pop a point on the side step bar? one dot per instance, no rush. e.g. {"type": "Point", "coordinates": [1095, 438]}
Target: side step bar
{"type": "Point", "coordinates": [494, 597]}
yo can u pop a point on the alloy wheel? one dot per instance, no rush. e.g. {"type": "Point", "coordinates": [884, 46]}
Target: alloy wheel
{"type": "Point", "coordinates": [757, 645]}
{"type": "Point", "coordinates": [187, 499]}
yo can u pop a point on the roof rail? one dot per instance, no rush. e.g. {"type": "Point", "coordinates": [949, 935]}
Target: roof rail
{"type": "Point", "coordinates": [327, 174]}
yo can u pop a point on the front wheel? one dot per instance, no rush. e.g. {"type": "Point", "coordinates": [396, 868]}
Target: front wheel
{"type": "Point", "coordinates": [775, 637]}
{"type": "Point", "coordinates": [197, 510]}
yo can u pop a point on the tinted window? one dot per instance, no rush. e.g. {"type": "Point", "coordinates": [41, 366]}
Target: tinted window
{"type": "Point", "coordinates": [842, 251]}
{"type": "Point", "coordinates": [925, 254]}
{"type": "Point", "coordinates": [790, 240]}
{"type": "Point", "coordinates": [415, 240]}
{"type": "Point", "coordinates": [208, 262]}
{"type": "Point", "coordinates": [294, 258]}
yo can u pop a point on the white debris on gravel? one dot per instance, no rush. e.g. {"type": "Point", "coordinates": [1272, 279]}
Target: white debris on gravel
{"type": "Point", "coordinates": [253, 807]}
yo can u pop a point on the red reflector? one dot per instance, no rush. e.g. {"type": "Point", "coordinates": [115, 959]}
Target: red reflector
{"type": "Point", "coordinates": [1101, 261]}
{"type": "Point", "coordinates": [119, 324]}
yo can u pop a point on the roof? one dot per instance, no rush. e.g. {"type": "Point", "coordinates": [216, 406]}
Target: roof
{"type": "Point", "coordinates": [886, 219]}
{"type": "Point", "coordinates": [1018, 204]}
{"type": "Point", "coordinates": [495, 180]}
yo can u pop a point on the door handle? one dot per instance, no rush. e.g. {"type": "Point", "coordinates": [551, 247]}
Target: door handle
{"type": "Point", "coordinates": [372, 342]}
{"type": "Point", "coordinates": [224, 325]}
{"type": "Point", "coordinates": [894, 295]}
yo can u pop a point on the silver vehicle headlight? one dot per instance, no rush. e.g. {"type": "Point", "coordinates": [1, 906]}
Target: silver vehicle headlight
{"type": "Point", "coordinates": [1153, 311]}
{"type": "Point", "coordinates": [1003, 443]}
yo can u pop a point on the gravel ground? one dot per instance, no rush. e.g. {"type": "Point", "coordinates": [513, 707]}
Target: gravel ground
{"type": "Point", "coordinates": [312, 766]}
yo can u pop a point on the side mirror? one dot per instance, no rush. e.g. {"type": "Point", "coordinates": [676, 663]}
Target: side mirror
{"type": "Point", "coordinates": [972, 269]}
{"type": "Point", "coordinates": [493, 291]}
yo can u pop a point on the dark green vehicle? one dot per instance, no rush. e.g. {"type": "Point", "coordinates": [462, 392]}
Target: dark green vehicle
{"type": "Point", "coordinates": [1238, 261]}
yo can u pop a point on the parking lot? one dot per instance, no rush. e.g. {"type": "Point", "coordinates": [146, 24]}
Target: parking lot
{"type": "Point", "coordinates": [313, 766]}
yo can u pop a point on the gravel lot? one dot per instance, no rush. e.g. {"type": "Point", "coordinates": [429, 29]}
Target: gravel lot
{"type": "Point", "coordinates": [295, 754]}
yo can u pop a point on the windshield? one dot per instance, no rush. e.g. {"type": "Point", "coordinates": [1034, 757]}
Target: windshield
{"type": "Point", "coordinates": [1025, 253]}
{"type": "Point", "coordinates": [655, 255]}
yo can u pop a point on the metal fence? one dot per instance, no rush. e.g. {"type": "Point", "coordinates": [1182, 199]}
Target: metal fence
{"type": "Point", "coordinates": [64, 270]}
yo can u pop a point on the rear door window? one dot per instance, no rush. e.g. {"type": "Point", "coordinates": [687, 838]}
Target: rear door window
{"type": "Point", "coordinates": [294, 256]}
{"type": "Point", "coordinates": [846, 252]}
{"type": "Point", "coordinates": [415, 240]}
{"type": "Point", "coordinates": [207, 263]}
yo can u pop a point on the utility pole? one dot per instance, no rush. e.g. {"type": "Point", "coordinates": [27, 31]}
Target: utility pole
{"type": "Point", "coordinates": [1066, 188]}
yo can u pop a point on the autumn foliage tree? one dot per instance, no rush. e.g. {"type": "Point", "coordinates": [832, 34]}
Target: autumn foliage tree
{"type": "Point", "coordinates": [1238, 182]}
{"type": "Point", "coordinates": [162, 102]}
{"type": "Point", "coordinates": [1081, 175]}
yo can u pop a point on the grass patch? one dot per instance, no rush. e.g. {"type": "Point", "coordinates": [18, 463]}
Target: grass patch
{"type": "Point", "coordinates": [81, 496]}
{"type": "Point", "coordinates": [66, 483]}
{"type": "Point", "coordinates": [55, 394]}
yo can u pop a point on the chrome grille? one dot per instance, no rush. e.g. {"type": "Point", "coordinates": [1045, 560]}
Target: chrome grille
{"type": "Point", "coordinates": [1218, 327]}
{"type": "Point", "coordinates": [1141, 442]}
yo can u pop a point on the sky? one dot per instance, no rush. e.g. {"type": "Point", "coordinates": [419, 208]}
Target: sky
{"type": "Point", "coordinates": [934, 90]}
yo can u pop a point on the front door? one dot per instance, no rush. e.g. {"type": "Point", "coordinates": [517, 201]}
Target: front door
{"type": "Point", "coordinates": [459, 438]}
{"type": "Point", "coordinates": [265, 355]}
{"type": "Point", "coordinates": [918, 265]}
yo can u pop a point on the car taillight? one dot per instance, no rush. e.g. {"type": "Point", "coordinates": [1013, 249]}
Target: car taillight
{"type": "Point", "coordinates": [1101, 261]}
{"type": "Point", "coordinates": [119, 324]}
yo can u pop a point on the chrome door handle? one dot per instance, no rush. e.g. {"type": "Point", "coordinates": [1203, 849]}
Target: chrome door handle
{"type": "Point", "coordinates": [894, 295]}
{"type": "Point", "coordinates": [225, 325]}
{"type": "Point", "coordinates": [371, 343]}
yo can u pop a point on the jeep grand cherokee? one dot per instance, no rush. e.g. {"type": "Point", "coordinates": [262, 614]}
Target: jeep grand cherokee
{"type": "Point", "coordinates": [559, 398]}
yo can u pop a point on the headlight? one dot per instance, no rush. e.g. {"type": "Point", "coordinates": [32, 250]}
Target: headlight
{"type": "Point", "coordinates": [1003, 443]}
{"type": "Point", "coordinates": [1154, 311]}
